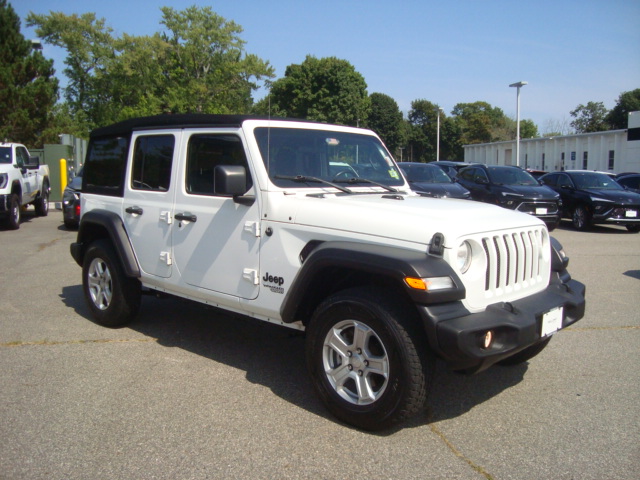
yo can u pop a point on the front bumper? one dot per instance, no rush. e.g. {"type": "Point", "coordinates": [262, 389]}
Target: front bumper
{"type": "Point", "coordinates": [618, 215]}
{"type": "Point", "coordinates": [456, 335]}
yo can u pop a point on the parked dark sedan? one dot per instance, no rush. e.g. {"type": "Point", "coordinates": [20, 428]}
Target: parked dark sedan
{"type": "Point", "coordinates": [429, 180]}
{"type": "Point", "coordinates": [629, 181]}
{"type": "Point", "coordinates": [590, 198]}
{"type": "Point", "coordinates": [513, 188]}
{"type": "Point", "coordinates": [71, 202]}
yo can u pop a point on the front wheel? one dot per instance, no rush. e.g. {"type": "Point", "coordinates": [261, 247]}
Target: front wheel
{"type": "Point", "coordinates": [581, 218]}
{"type": "Point", "coordinates": [368, 360]}
{"type": "Point", "coordinates": [15, 212]}
{"type": "Point", "coordinates": [114, 298]}
{"type": "Point", "coordinates": [633, 228]}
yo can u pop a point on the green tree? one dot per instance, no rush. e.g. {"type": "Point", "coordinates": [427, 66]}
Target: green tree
{"type": "Point", "coordinates": [422, 126]}
{"type": "Point", "coordinates": [209, 70]}
{"type": "Point", "coordinates": [478, 122]}
{"type": "Point", "coordinates": [385, 118]}
{"type": "Point", "coordinates": [324, 90]}
{"type": "Point", "coordinates": [618, 117]}
{"type": "Point", "coordinates": [197, 63]}
{"type": "Point", "coordinates": [591, 117]}
{"type": "Point", "coordinates": [507, 128]}
{"type": "Point", "coordinates": [90, 47]}
{"type": "Point", "coordinates": [28, 89]}
{"type": "Point", "coordinates": [423, 118]}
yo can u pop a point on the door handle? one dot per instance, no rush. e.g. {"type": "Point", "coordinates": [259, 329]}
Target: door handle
{"type": "Point", "coordinates": [185, 217]}
{"type": "Point", "coordinates": [133, 210]}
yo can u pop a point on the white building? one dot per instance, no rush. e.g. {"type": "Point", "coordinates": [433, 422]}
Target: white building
{"type": "Point", "coordinates": [614, 151]}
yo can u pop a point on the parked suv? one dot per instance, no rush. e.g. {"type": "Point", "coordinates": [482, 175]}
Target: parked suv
{"type": "Point", "coordinates": [260, 217]}
{"type": "Point", "coordinates": [512, 188]}
{"type": "Point", "coordinates": [590, 198]}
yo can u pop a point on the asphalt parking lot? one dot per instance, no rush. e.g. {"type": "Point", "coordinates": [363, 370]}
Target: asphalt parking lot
{"type": "Point", "coordinates": [186, 392]}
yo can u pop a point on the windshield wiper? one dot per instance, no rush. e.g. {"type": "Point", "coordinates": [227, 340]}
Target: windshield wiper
{"type": "Point", "coordinates": [304, 179]}
{"type": "Point", "coordinates": [355, 180]}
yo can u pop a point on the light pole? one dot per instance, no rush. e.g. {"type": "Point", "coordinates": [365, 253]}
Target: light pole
{"type": "Point", "coordinates": [438, 137]}
{"type": "Point", "coordinates": [518, 85]}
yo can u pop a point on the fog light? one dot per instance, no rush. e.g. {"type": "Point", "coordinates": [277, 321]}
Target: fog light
{"type": "Point", "coordinates": [488, 340]}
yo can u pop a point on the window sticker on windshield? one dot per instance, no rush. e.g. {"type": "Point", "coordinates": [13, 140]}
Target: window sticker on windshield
{"type": "Point", "coordinates": [332, 141]}
{"type": "Point", "coordinates": [394, 174]}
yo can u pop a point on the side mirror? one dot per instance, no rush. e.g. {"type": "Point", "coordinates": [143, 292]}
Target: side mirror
{"type": "Point", "coordinates": [231, 180]}
{"type": "Point", "coordinates": [482, 181]}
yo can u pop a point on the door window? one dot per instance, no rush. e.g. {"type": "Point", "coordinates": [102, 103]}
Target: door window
{"type": "Point", "coordinates": [152, 163]}
{"type": "Point", "coordinates": [204, 153]}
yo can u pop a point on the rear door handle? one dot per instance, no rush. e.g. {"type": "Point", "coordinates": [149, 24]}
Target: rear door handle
{"type": "Point", "coordinates": [186, 217]}
{"type": "Point", "coordinates": [133, 210]}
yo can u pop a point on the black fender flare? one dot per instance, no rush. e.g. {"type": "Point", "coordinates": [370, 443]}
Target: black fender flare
{"type": "Point", "coordinates": [93, 225]}
{"type": "Point", "coordinates": [373, 261]}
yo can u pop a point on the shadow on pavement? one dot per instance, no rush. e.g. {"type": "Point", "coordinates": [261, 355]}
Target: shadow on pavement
{"type": "Point", "coordinates": [273, 356]}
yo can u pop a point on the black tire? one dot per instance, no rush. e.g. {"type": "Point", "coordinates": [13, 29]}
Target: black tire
{"type": "Point", "coordinates": [377, 344]}
{"type": "Point", "coordinates": [114, 298]}
{"type": "Point", "coordinates": [581, 218]}
{"type": "Point", "coordinates": [15, 212]}
{"type": "Point", "coordinates": [42, 202]}
{"type": "Point", "coordinates": [633, 228]}
{"type": "Point", "coordinates": [526, 354]}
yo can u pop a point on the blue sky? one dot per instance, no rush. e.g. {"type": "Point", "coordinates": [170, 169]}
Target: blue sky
{"type": "Point", "coordinates": [570, 51]}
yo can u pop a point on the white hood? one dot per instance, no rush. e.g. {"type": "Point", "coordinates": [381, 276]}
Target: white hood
{"type": "Point", "coordinates": [406, 218]}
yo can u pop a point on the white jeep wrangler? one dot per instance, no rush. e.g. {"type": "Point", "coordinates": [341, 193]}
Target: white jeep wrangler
{"type": "Point", "coordinates": [313, 227]}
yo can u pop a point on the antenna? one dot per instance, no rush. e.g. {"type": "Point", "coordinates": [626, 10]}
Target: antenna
{"type": "Point", "coordinates": [269, 134]}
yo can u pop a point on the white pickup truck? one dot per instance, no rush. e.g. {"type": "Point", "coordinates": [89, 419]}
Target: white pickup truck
{"type": "Point", "coordinates": [23, 181]}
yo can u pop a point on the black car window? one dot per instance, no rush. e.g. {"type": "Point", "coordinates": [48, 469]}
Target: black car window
{"type": "Point", "coordinates": [594, 181]}
{"type": "Point", "coordinates": [551, 180]}
{"type": "Point", "coordinates": [564, 181]}
{"type": "Point", "coordinates": [511, 176]}
{"type": "Point", "coordinates": [427, 174]}
{"type": "Point", "coordinates": [481, 175]}
{"type": "Point", "coordinates": [631, 181]}
{"type": "Point", "coordinates": [467, 174]}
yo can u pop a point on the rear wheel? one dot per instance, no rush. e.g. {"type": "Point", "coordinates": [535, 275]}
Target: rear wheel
{"type": "Point", "coordinates": [368, 360]}
{"type": "Point", "coordinates": [42, 202]}
{"type": "Point", "coordinates": [114, 298]}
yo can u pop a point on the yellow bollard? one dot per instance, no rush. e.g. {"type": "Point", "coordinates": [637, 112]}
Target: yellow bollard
{"type": "Point", "coordinates": [63, 175]}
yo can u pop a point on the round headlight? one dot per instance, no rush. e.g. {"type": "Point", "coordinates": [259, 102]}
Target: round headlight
{"type": "Point", "coordinates": [463, 257]}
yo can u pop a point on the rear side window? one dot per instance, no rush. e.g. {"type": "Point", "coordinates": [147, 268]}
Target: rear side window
{"type": "Point", "coordinates": [152, 160]}
{"type": "Point", "coordinates": [104, 168]}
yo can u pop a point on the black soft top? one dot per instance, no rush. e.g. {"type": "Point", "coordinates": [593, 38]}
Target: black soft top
{"type": "Point", "coordinates": [181, 120]}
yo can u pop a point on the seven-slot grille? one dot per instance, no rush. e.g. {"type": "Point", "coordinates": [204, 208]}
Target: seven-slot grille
{"type": "Point", "coordinates": [512, 259]}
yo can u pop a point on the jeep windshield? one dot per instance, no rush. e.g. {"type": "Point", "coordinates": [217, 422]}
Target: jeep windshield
{"type": "Point", "coordinates": [305, 158]}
